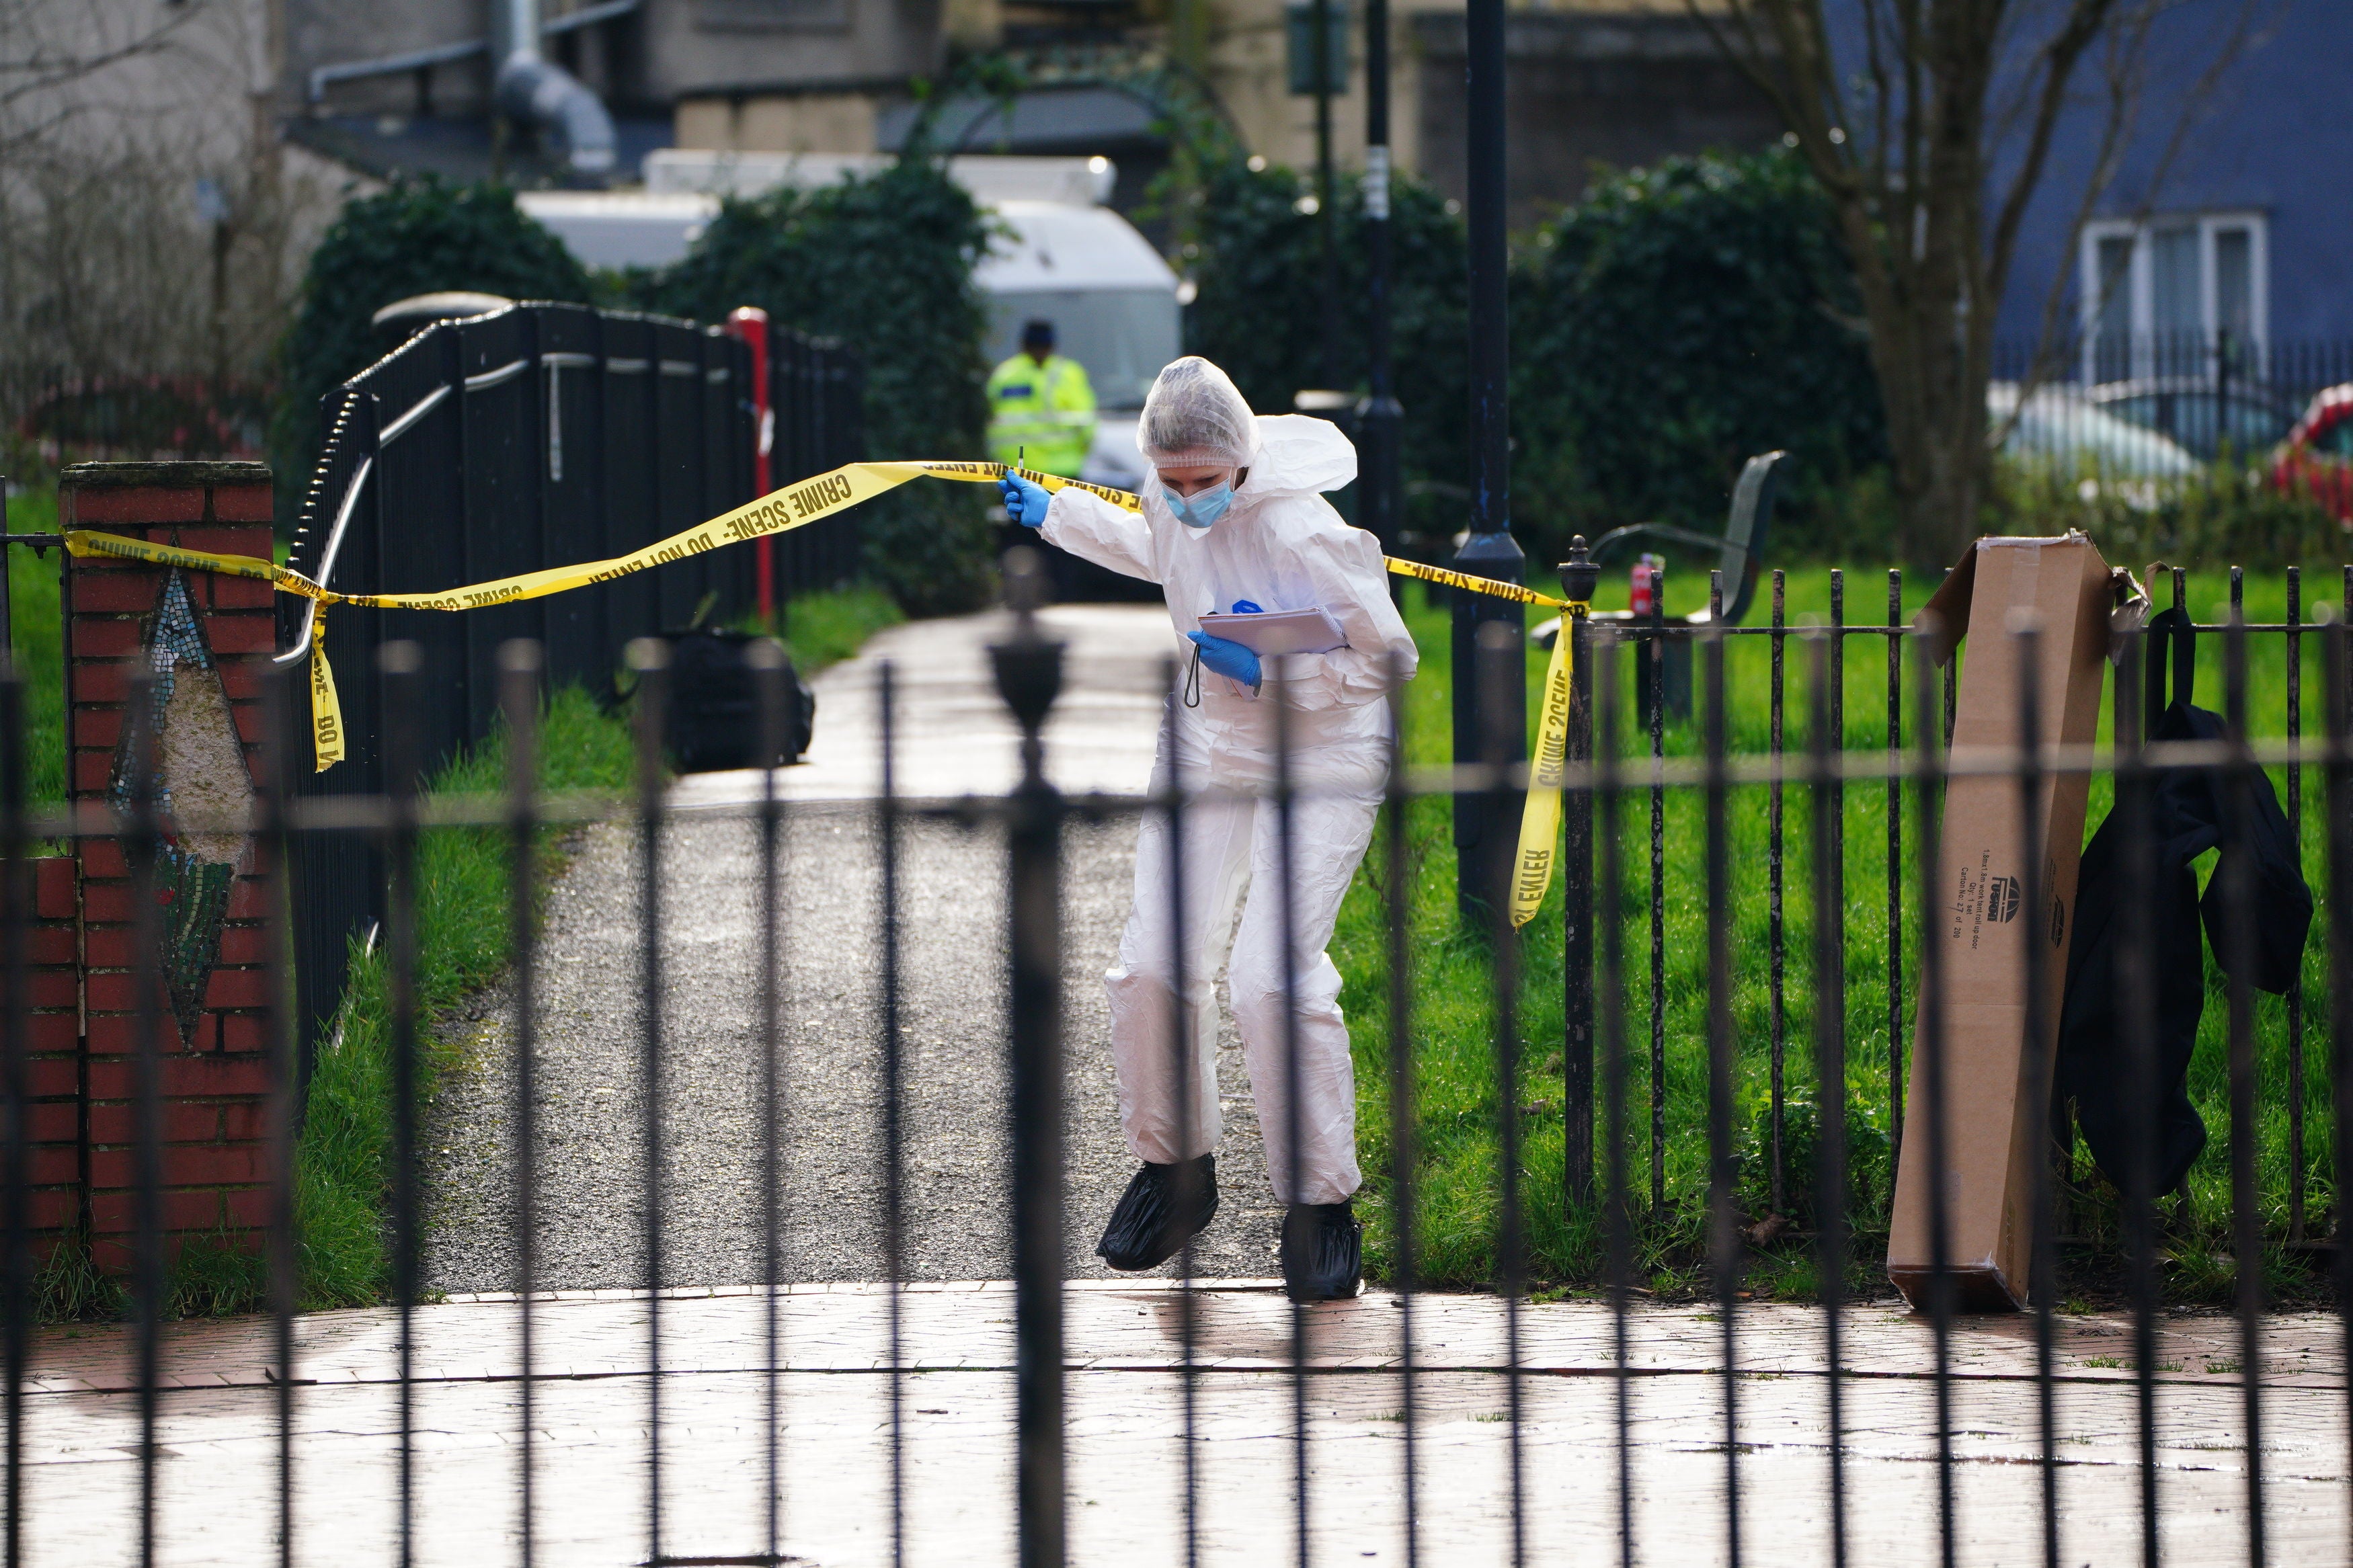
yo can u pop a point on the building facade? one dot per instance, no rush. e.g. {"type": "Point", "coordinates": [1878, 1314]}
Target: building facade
{"type": "Point", "coordinates": [1615, 82]}
{"type": "Point", "coordinates": [2224, 227]}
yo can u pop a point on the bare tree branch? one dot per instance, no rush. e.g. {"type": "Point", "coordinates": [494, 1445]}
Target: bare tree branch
{"type": "Point", "coordinates": [44, 68]}
{"type": "Point", "coordinates": [1929, 221]}
{"type": "Point", "coordinates": [2056, 62]}
{"type": "Point", "coordinates": [1883, 93]}
{"type": "Point", "coordinates": [2122, 72]}
{"type": "Point", "coordinates": [113, 113]}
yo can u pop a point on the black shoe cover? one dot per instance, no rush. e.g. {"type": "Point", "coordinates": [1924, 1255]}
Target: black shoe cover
{"type": "Point", "coordinates": [1155, 1215]}
{"type": "Point", "coordinates": [1323, 1252]}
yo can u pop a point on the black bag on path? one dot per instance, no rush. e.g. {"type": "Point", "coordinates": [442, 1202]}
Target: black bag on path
{"type": "Point", "coordinates": [714, 718]}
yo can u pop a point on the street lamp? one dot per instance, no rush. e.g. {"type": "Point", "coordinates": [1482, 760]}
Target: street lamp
{"type": "Point", "coordinates": [1320, 19]}
{"type": "Point", "coordinates": [1378, 414]}
{"type": "Point", "coordinates": [1486, 821]}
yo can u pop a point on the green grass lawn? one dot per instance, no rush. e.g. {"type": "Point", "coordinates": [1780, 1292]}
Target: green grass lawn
{"type": "Point", "coordinates": [37, 639]}
{"type": "Point", "coordinates": [1458, 1180]}
{"type": "Point", "coordinates": [824, 628]}
{"type": "Point", "coordinates": [464, 939]}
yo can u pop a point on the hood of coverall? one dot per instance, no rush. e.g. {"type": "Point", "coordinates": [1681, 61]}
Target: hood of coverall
{"type": "Point", "coordinates": [1298, 454]}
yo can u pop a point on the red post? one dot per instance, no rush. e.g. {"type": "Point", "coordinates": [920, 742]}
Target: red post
{"type": "Point", "coordinates": [750, 323]}
{"type": "Point", "coordinates": [211, 635]}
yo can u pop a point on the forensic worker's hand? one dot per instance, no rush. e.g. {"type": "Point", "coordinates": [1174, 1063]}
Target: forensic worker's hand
{"type": "Point", "coordinates": [1025, 502]}
{"type": "Point", "coordinates": [1227, 657]}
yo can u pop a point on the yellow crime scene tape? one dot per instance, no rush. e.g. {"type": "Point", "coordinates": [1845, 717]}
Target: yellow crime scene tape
{"type": "Point", "coordinates": [796, 506]}
{"type": "Point", "coordinates": [1540, 816]}
{"type": "Point", "coordinates": [779, 511]}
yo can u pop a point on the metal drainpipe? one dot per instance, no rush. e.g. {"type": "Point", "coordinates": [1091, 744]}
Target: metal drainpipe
{"type": "Point", "coordinates": [537, 91]}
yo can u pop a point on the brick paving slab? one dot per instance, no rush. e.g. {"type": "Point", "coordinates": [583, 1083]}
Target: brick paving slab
{"type": "Point", "coordinates": [218, 1432]}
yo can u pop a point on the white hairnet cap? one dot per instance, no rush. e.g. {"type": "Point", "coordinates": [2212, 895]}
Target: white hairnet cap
{"type": "Point", "coordinates": [1195, 415]}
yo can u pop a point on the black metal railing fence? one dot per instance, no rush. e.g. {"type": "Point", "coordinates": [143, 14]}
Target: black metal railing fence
{"type": "Point", "coordinates": [1620, 783]}
{"type": "Point", "coordinates": [1862, 707]}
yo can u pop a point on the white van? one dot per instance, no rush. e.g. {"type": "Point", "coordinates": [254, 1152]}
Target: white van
{"type": "Point", "coordinates": [1061, 255]}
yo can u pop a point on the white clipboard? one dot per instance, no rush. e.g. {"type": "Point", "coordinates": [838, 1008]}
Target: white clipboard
{"type": "Point", "coordinates": [1273, 633]}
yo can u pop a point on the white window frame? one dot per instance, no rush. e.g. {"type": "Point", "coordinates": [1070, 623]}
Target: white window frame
{"type": "Point", "coordinates": [2140, 283]}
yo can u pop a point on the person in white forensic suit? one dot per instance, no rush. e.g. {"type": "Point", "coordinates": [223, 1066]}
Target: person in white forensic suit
{"type": "Point", "coordinates": [1234, 520]}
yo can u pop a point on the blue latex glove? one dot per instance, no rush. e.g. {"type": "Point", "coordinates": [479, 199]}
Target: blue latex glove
{"type": "Point", "coordinates": [1025, 502]}
{"type": "Point", "coordinates": [1227, 657]}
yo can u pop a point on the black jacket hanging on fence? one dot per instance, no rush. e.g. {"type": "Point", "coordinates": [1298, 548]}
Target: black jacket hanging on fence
{"type": "Point", "coordinates": [2187, 817]}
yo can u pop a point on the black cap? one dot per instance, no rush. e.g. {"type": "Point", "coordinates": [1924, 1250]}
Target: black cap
{"type": "Point", "coordinates": [1038, 332]}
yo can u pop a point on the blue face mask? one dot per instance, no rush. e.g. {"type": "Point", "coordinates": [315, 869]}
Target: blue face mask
{"type": "Point", "coordinates": [1202, 509]}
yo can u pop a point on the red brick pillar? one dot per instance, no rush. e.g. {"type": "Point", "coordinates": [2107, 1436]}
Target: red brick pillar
{"type": "Point", "coordinates": [53, 1048]}
{"type": "Point", "coordinates": [206, 638]}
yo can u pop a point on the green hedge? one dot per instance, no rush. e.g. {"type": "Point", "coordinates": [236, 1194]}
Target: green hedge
{"type": "Point", "coordinates": [885, 264]}
{"type": "Point", "coordinates": [1260, 311]}
{"type": "Point", "coordinates": [1677, 320]}
{"type": "Point", "coordinates": [1674, 321]}
{"type": "Point", "coordinates": [420, 237]}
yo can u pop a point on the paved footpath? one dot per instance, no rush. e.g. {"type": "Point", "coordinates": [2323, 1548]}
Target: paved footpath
{"type": "Point", "coordinates": [218, 1447]}
{"type": "Point", "coordinates": [954, 738]}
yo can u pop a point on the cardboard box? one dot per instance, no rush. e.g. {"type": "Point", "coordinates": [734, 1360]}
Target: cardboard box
{"type": "Point", "coordinates": [1994, 1115]}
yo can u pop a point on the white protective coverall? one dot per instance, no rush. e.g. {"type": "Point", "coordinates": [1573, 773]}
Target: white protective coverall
{"type": "Point", "coordinates": [1280, 546]}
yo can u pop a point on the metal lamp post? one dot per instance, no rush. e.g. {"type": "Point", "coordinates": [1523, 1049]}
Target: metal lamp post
{"type": "Point", "coordinates": [1484, 821]}
{"type": "Point", "coordinates": [1378, 413]}
{"type": "Point", "coordinates": [1327, 245]}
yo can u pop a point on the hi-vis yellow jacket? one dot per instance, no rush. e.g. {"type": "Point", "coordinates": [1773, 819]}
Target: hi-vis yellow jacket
{"type": "Point", "coordinates": [1041, 416]}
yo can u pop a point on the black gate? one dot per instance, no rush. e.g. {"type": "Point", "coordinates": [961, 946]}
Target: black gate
{"type": "Point", "coordinates": [535, 436]}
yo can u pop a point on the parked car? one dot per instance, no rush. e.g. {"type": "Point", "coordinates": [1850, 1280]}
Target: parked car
{"type": "Point", "coordinates": [2059, 427]}
{"type": "Point", "coordinates": [2185, 409]}
{"type": "Point", "coordinates": [2317, 456]}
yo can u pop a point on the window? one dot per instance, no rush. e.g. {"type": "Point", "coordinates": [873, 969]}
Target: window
{"type": "Point", "coordinates": [2112, 300]}
{"type": "Point", "coordinates": [2234, 282]}
{"type": "Point", "coordinates": [2161, 297]}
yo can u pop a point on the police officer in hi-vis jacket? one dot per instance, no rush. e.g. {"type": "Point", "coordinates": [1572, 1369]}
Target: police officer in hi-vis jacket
{"type": "Point", "coordinates": [1041, 410]}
